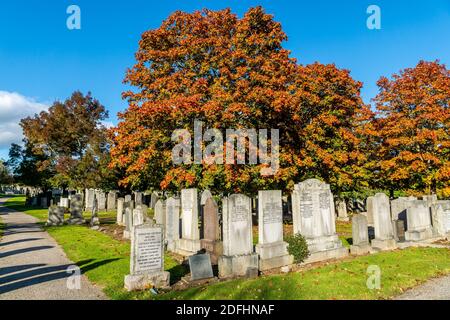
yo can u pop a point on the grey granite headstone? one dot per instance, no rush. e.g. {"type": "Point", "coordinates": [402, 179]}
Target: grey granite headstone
{"type": "Point", "coordinates": [440, 214]}
{"type": "Point", "coordinates": [200, 266]}
{"type": "Point", "coordinates": [55, 216]}
{"type": "Point", "coordinates": [76, 210]}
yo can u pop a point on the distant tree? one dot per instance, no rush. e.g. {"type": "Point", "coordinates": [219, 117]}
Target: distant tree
{"type": "Point", "coordinates": [25, 166]}
{"type": "Point", "coordinates": [414, 129]}
{"type": "Point", "coordinates": [5, 176]}
{"type": "Point", "coordinates": [72, 138]}
{"type": "Point", "coordinates": [233, 73]}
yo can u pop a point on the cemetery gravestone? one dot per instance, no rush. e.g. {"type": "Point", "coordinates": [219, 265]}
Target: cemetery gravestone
{"type": "Point", "coordinates": [206, 194]}
{"type": "Point", "coordinates": [64, 202]}
{"type": "Point", "coordinates": [271, 248]}
{"type": "Point", "coordinates": [189, 243]}
{"type": "Point", "coordinates": [101, 200]}
{"type": "Point", "coordinates": [239, 258]}
{"type": "Point", "coordinates": [153, 199]}
{"type": "Point", "coordinates": [95, 222]}
{"type": "Point", "coordinates": [119, 218]}
{"type": "Point", "coordinates": [370, 210]}
{"type": "Point", "coordinates": [128, 207]}
{"type": "Point", "coordinates": [172, 227]}
{"type": "Point", "coordinates": [138, 216]}
{"type": "Point", "coordinates": [111, 204]}
{"type": "Point", "coordinates": [76, 210]}
{"type": "Point", "coordinates": [360, 235]}
{"type": "Point", "coordinates": [419, 221]}
{"type": "Point", "coordinates": [44, 202]}
{"type": "Point", "coordinates": [138, 198]}
{"type": "Point", "coordinates": [89, 199]}
{"type": "Point", "coordinates": [314, 218]}
{"type": "Point", "coordinates": [200, 266]}
{"type": "Point", "coordinates": [55, 216]}
{"type": "Point", "coordinates": [211, 239]}
{"type": "Point", "coordinates": [147, 259]}
{"type": "Point", "coordinates": [160, 212]}
{"type": "Point", "coordinates": [384, 233]}
{"type": "Point", "coordinates": [440, 213]}
{"type": "Point", "coordinates": [342, 210]}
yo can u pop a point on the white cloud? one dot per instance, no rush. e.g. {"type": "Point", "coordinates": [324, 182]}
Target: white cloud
{"type": "Point", "coordinates": [13, 108]}
{"type": "Point", "coordinates": [107, 124]}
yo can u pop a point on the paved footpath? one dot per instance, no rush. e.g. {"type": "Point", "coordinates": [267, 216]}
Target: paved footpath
{"type": "Point", "coordinates": [34, 267]}
{"type": "Point", "coordinates": [435, 289]}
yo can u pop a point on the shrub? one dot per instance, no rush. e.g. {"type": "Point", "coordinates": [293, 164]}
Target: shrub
{"type": "Point", "coordinates": [298, 247]}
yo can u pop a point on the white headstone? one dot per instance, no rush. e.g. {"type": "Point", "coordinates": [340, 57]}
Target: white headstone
{"type": "Point", "coordinates": [111, 203]}
{"type": "Point", "coordinates": [189, 243]}
{"type": "Point", "coordinates": [147, 259]}
{"type": "Point", "coordinates": [441, 218]}
{"type": "Point", "coordinates": [271, 248]}
{"type": "Point", "coordinates": [172, 226]}
{"type": "Point", "coordinates": [238, 258]}
{"type": "Point", "coordinates": [360, 235]}
{"type": "Point", "coordinates": [120, 211]}
{"type": "Point", "coordinates": [138, 216]}
{"type": "Point", "coordinates": [314, 218]}
{"type": "Point", "coordinates": [384, 231]}
{"type": "Point", "coordinates": [160, 212]}
{"type": "Point", "coordinates": [418, 221]}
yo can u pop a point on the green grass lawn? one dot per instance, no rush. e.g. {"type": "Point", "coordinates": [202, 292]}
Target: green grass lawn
{"type": "Point", "coordinates": [18, 203]}
{"type": "Point", "coordinates": [105, 261]}
{"type": "Point", "coordinates": [400, 270]}
{"type": "Point", "coordinates": [2, 226]}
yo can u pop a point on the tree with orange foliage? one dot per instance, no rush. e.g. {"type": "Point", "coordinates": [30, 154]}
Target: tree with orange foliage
{"type": "Point", "coordinates": [227, 72]}
{"type": "Point", "coordinates": [414, 129]}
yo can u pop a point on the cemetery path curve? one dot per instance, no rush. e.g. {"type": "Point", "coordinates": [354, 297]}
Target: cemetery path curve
{"type": "Point", "coordinates": [435, 289]}
{"type": "Point", "coordinates": [34, 267]}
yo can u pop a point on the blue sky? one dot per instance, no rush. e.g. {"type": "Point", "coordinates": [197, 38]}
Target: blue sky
{"type": "Point", "coordinates": [41, 60]}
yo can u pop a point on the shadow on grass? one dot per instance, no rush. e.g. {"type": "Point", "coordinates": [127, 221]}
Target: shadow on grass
{"type": "Point", "coordinates": [86, 265]}
{"type": "Point", "coordinates": [177, 272]}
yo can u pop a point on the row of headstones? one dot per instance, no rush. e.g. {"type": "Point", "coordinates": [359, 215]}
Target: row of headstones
{"type": "Point", "coordinates": [73, 204]}
{"type": "Point", "coordinates": [313, 217]}
{"type": "Point", "coordinates": [402, 219]}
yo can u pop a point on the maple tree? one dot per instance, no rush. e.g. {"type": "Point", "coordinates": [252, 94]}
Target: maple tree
{"type": "Point", "coordinates": [234, 73]}
{"type": "Point", "coordinates": [413, 129]}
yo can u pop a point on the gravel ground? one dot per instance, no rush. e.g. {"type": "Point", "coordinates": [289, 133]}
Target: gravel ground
{"type": "Point", "coordinates": [34, 267]}
{"type": "Point", "coordinates": [435, 289]}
